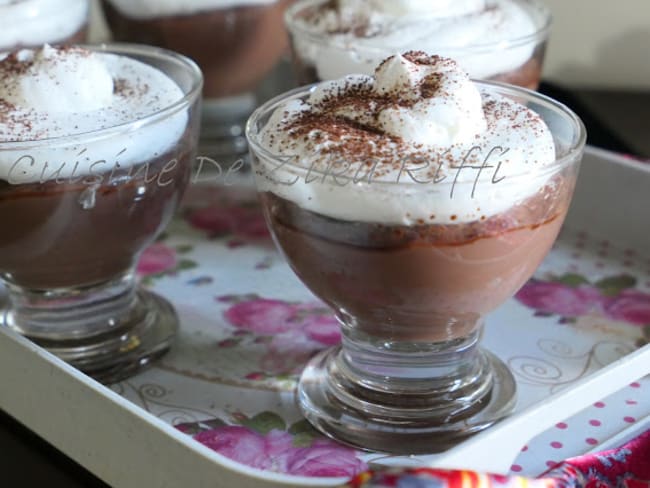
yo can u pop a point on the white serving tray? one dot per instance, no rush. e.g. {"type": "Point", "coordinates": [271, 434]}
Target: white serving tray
{"type": "Point", "coordinates": [125, 434]}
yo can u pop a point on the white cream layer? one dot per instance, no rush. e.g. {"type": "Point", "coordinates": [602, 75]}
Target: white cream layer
{"type": "Point", "coordinates": [455, 29]}
{"type": "Point", "coordinates": [71, 93]}
{"type": "Point", "coordinates": [35, 22]}
{"type": "Point", "coordinates": [407, 187]}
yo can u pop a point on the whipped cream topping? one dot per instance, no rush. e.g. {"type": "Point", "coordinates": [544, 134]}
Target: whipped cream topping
{"type": "Point", "coordinates": [36, 22]}
{"type": "Point", "coordinates": [363, 32]}
{"type": "Point", "coordinates": [149, 9]}
{"type": "Point", "coordinates": [70, 92]}
{"type": "Point", "coordinates": [417, 143]}
{"type": "Point", "coordinates": [54, 81]}
{"type": "Point", "coordinates": [453, 118]}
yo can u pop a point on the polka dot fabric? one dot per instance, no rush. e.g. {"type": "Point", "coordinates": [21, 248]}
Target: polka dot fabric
{"type": "Point", "coordinates": [591, 261]}
{"type": "Point", "coordinates": [584, 432]}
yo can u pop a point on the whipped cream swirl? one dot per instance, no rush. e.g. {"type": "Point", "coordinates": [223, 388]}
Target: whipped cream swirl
{"type": "Point", "coordinates": [453, 118]}
{"type": "Point", "coordinates": [70, 93]}
{"type": "Point", "coordinates": [417, 143]}
{"type": "Point", "coordinates": [360, 33]}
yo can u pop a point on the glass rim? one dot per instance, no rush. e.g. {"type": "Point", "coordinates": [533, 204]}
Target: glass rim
{"type": "Point", "coordinates": [152, 52]}
{"type": "Point", "coordinates": [571, 156]}
{"type": "Point", "coordinates": [541, 33]}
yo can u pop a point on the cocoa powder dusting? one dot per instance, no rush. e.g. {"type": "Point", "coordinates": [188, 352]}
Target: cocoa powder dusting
{"type": "Point", "coordinates": [326, 121]}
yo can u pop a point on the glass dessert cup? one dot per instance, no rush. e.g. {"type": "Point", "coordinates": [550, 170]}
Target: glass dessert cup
{"type": "Point", "coordinates": [410, 375]}
{"type": "Point", "coordinates": [319, 56]}
{"type": "Point", "coordinates": [31, 23]}
{"type": "Point", "coordinates": [235, 47]}
{"type": "Point", "coordinates": [71, 244]}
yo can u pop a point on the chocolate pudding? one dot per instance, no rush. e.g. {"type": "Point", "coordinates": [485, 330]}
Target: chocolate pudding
{"type": "Point", "coordinates": [412, 202]}
{"type": "Point", "coordinates": [79, 213]}
{"type": "Point", "coordinates": [107, 224]}
{"type": "Point", "coordinates": [235, 46]}
{"type": "Point", "coordinates": [31, 23]}
{"type": "Point", "coordinates": [503, 40]}
{"type": "Point", "coordinates": [96, 147]}
{"type": "Point", "coordinates": [429, 283]}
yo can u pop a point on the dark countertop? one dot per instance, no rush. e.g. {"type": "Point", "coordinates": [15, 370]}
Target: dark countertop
{"type": "Point", "coordinates": [626, 113]}
{"type": "Point", "coordinates": [615, 120]}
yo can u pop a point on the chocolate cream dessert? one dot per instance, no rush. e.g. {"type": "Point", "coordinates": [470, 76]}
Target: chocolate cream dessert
{"type": "Point", "coordinates": [413, 201]}
{"type": "Point", "coordinates": [500, 40]}
{"type": "Point", "coordinates": [31, 23]}
{"type": "Point", "coordinates": [235, 42]}
{"type": "Point", "coordinates": [78, 200]}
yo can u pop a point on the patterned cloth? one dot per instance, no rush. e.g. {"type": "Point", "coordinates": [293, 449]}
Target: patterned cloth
{"type": "Point", "coordinates": [625, 467]}
{"type": "Point", "coordinates": [435, 478]}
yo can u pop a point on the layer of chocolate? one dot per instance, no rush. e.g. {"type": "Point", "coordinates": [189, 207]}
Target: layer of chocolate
{"type": "Point", "coordinates": [75, 232]}
{"type": "Point", "coordinates": [427, 283]}
{"type": "Point", "coordinates": [235, 47]}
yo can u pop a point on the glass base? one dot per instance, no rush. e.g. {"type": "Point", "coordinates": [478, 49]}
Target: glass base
{"type": "Point", "coordinates": [398, 415]}
{"type": "Point", "coordinates": [114, 353]}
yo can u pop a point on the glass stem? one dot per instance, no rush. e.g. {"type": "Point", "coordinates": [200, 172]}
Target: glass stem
{"type": "Point", "coordinates": [422, 375]}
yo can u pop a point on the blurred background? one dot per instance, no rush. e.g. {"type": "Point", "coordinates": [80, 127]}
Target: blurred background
{"type": "Point", "coordinates": [597, 61]}
{"type": "Point", "coordinates": [594, 43]}
{"type": "Point", "coordinates": [600, 44]}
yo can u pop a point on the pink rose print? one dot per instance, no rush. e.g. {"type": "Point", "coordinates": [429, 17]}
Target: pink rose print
{"type": "Point", "coordinates": [558, 298]}
{"type": "Point", "coordinates": [324, 458]}
{"type": "Point", "coordinates": [156, 259]}
{"type": "Point", "coordinates": [630, 306]}
{"type": "Point", "coordinates": [324, 330]}
{"type": "Point", "coordinates": [248, 447]}
{"type": "Point", "coordinates": [275, 452]}
{"type": "Point", "coordinates": [237, 443]}
{"type": "Point", "coordinates": [268, 317]}
{"type": "Point", "coordinates": [262, 316]}
{"type": "Point", "coordinates": [291, 333]}
{"type": "Point", "coordinates": [244, 222]}
{"type": "Point", "coordinates": [572, 295]}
